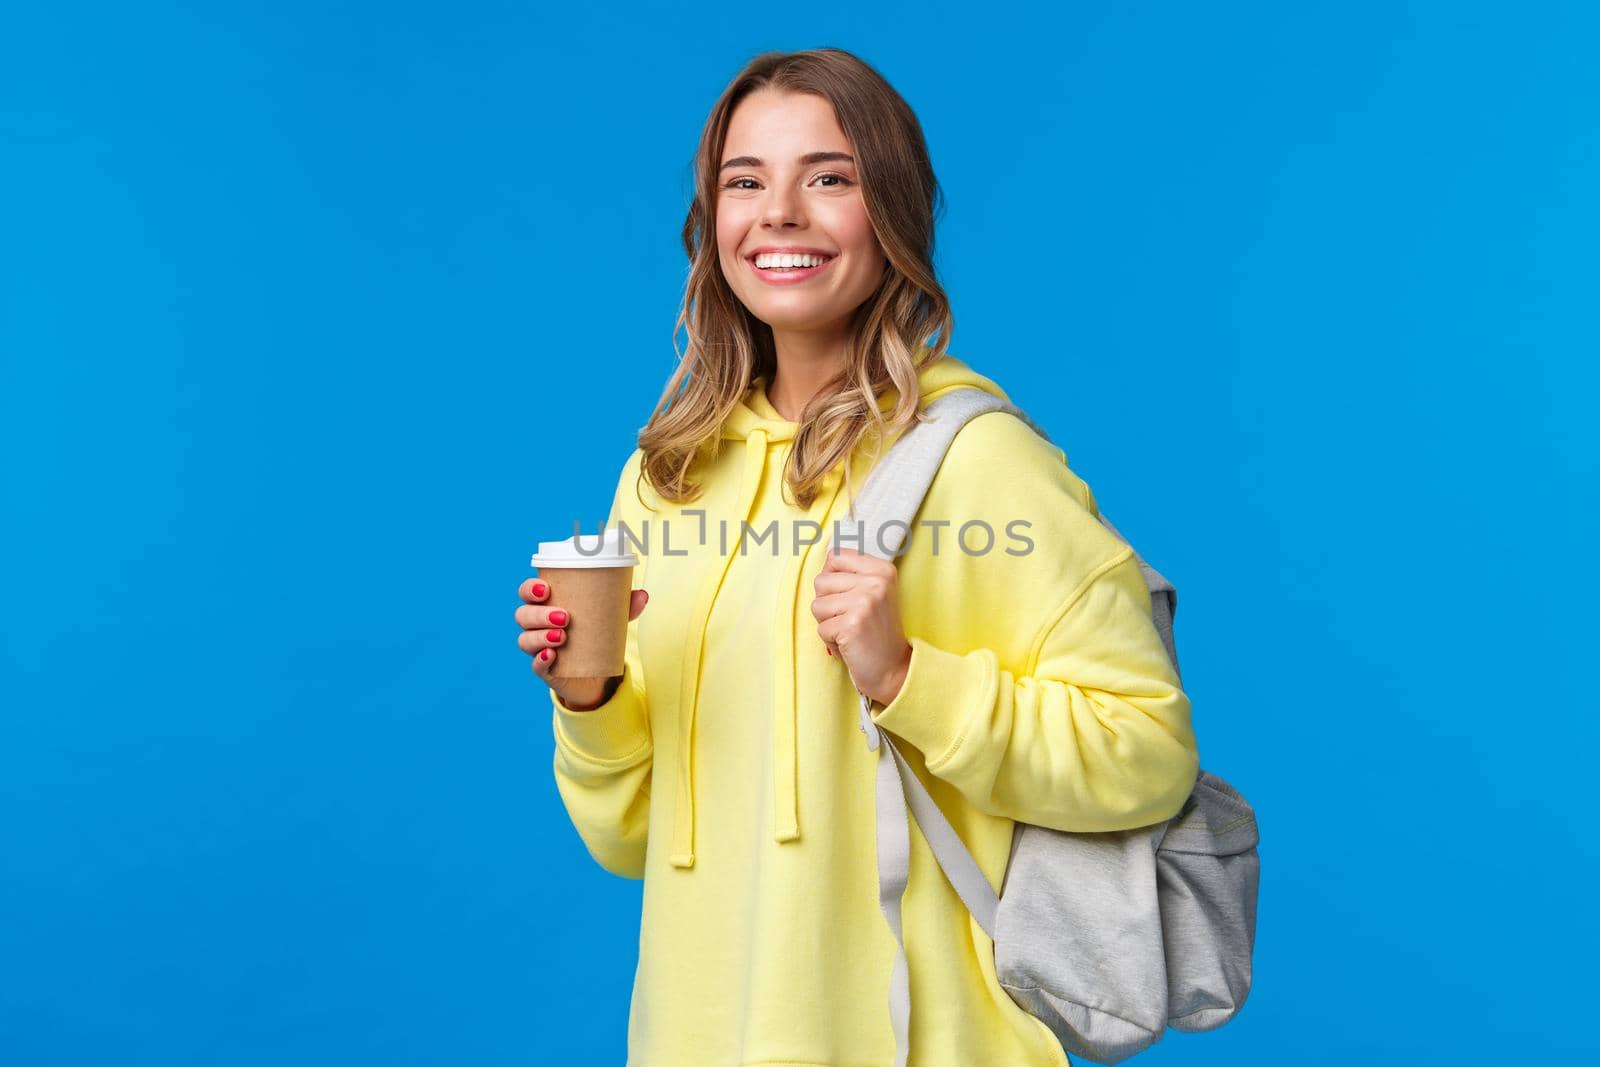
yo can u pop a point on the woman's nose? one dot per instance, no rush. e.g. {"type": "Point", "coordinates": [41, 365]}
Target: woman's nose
{"type": "Point", "coordinates": [782, 207]}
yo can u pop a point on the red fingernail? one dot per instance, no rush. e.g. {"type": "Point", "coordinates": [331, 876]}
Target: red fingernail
{"type": "Point", "coordinates": [556, 636]}
{"type": "Point", "coordinates": [544, 656]}
{"type": "Point", "coordinates": [539, 589]}
{"type": "Point", "coordinates": [558, 617]}
{"type": "Point", "coordinates": [829, 651]}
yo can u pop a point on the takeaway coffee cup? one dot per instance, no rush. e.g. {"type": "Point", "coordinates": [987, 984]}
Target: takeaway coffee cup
{"type": "Point", "coordinates": [591, 575]}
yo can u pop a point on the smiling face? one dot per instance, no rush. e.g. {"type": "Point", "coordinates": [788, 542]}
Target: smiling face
{"type": "Point", "coordinates": [788, 180]}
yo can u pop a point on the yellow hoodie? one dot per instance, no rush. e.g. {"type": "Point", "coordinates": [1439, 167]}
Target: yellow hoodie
{"type": "Point", "coordinates": [730, 773]}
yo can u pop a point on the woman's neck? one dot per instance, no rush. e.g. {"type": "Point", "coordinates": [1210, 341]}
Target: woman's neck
{"type": "Point", "coordinates": [805, 365]}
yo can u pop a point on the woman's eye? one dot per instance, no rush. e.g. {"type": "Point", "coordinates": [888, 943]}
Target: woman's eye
{"type": "Point", "coordinates": [839, 179]}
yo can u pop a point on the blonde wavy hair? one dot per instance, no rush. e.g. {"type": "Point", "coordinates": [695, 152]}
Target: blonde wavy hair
{"type": "Point", "coordinates": [901, 328]}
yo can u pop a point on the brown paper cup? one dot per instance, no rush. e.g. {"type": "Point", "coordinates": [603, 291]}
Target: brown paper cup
{"type": "Point", "coordinates": [597, 634]}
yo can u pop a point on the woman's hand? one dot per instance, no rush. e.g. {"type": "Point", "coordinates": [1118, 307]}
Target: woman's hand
{"type": "Point", "coordinates": [544, 628]}
{"type": "Point", "coordinates": [858, 614]}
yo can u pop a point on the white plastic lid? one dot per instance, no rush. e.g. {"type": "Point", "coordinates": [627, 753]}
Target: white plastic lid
{"type": "Point", "coordinates": [585, 550]}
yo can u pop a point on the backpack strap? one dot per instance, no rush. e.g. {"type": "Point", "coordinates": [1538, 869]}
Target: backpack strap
{"type": "Point", "coordinates": [882, 515]}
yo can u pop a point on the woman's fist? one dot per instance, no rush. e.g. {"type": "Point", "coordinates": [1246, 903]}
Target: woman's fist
{"type": "Point", "coordinates": [858, 617]}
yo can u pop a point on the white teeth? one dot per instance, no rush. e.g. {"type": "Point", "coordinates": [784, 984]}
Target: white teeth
{"type": "Point", "coordinates": [773, 259]}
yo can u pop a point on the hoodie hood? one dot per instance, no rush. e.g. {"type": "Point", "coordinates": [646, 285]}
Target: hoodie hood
{"type": "Point", "coordinates": [765, 433]}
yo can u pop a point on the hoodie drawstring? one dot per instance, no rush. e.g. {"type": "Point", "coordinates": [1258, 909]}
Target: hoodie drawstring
{"type": "Point", "coordinates": [785, 696]}
{"type": "Point", "coordinates": [683, 821]}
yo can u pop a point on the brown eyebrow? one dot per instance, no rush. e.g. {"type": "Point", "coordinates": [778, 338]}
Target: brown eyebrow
{"type": "Point", "coordinates": [805, 160]}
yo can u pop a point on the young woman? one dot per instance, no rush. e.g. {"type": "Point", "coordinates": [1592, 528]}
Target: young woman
{"type": "Point", "coordinates": [726, 766]}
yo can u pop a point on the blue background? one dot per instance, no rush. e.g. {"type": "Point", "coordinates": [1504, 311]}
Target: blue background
{"type": "Point", "coordinates": [1306, 292]}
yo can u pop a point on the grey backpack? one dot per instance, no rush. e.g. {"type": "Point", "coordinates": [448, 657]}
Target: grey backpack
{"type": "Point", "coordinates": [1107, 938]}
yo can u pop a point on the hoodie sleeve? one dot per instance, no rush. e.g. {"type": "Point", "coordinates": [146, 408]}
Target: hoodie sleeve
{"type": "Point", "coordinates": [1096, 734]}
{"type": "Point", "coordinates": [604, 757]}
